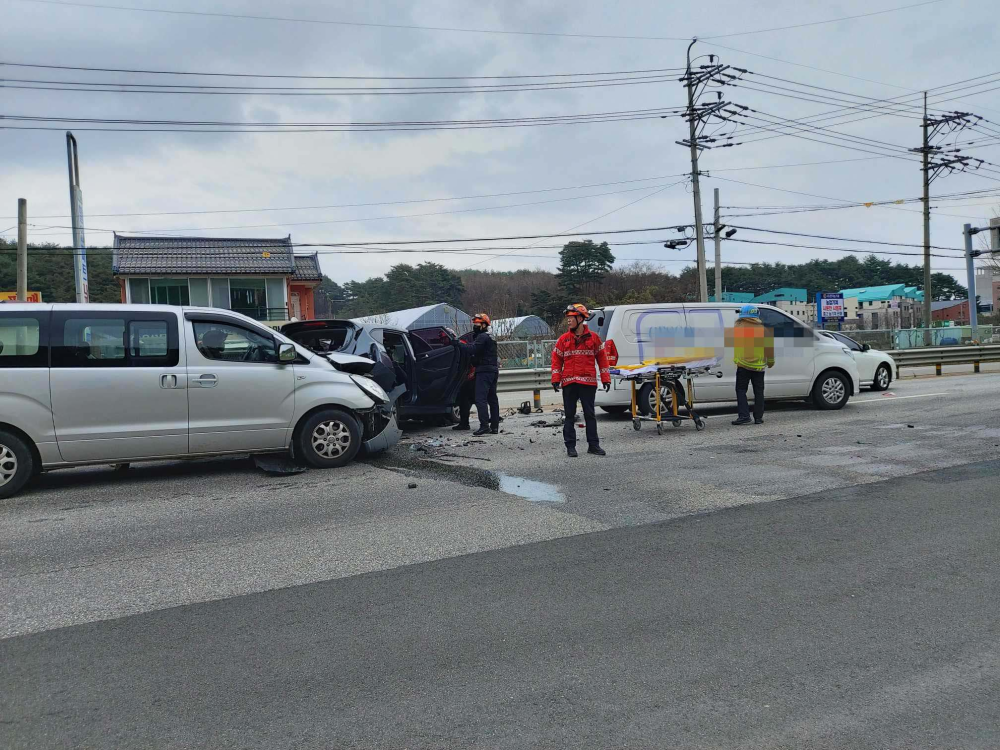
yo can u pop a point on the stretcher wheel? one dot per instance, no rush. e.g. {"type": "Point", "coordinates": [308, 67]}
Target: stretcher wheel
{"type": "Point", "coordinates": [676, 422]}
{"type": "Point", "coordinates": [659, 428]}
{"type": "Point", "coordinates": [636, 424]}
{"type": "Point", "coordinates": [699, 424]}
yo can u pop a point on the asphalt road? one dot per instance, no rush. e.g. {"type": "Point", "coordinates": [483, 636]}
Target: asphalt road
{"type": "Point", "coordinates": [658, 593]}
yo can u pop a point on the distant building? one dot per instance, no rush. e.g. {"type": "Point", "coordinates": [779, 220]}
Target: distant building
{"type": "Point", "coordinates": [262, 278]}
{"type": "Point", "coordinates": [792, 300]}
{"type": "Point", "coordinates": [524, 327]}
{"type": "Point", "coordinates": [885, 306]}
{"type": "Point", "coordinates": [740, 297]}
{"type": "Point", "coordinates": [956, 310]}
{"type": "Point", "coordinates": [429, 316]}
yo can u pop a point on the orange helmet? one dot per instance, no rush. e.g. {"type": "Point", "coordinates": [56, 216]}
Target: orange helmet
{"type": "Point", "coordinates": [481, 318]}
{"type": "Point", "coordinates": [579, 310]}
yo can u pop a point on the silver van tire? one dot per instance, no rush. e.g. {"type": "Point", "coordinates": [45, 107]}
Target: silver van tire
{"type": "Point", "coordinates": [831, 391]}
{"type": "Point", "coordinates": [328, 439]}
{"type": "Point", "coordinates": [17, 464]}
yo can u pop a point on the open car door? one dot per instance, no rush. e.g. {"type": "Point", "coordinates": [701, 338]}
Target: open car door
{"type": "Point", "coordinates": [440, 367]}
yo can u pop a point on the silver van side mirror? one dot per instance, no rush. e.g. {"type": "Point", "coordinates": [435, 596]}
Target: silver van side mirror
{"type": "Point", "coordinates": [286, 353]}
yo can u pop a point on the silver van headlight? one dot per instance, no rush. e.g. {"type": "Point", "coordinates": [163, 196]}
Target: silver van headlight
{"type": "Point", "coordinates": [370, 387]}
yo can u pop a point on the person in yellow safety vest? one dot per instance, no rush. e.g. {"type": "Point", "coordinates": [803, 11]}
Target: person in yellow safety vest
{"type": "Point", "coordinates": [754, 347]}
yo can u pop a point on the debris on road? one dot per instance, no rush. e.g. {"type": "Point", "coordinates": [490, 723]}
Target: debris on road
{"type": "Point", "coordinates": [277, 463]}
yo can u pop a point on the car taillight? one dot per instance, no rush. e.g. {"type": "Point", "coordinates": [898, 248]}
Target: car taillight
{"type": "Point", "coordinates": [612, 351]}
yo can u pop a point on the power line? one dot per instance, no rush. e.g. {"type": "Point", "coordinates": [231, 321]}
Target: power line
{"type": "Point", "coordinates": [383, 218]}
{"type": "Point", "coordinates": [364, 205]}
{"type": "Point", "coordinates": [830, 20]}
{"type": "Point", "coordinates": [842, 239]}
{"type": "Point", "coordinates": [134, 88]}
{"type": "Point", "coordinates": [219, 126]}
{"type": "Point", "coordinates": [596, 218]}
{"type": "Point", "coordinates": [414, 27]}
{"type": "Point", "coordinates": [147, 71]}
{"type": "Point", "coordinates": [409, 27]}
{"type": "Point", "coordinates": [834, 249]}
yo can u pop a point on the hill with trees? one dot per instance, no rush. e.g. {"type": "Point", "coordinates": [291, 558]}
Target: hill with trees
{"type": "Point", "coordinates": [586, 273]}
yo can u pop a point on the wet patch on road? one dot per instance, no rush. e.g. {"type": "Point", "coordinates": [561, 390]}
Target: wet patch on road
{"type": "Point", "coordinates": [471, 476]}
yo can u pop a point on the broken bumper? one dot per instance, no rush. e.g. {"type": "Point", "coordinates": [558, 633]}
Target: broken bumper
{"type": "Point", "coordinates": [381, 431]}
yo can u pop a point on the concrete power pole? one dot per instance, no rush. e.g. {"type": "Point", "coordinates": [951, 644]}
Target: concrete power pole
{"type": "Point", "coordinates": [699, 228]}
{"type": "Point", "coordinates": [22, 250]}
{"type": "Point", "coordinates": [717, 234]}
{"type": "Point", "coordinates": [927, 226]}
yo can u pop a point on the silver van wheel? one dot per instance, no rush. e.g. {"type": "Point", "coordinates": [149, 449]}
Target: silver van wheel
{"type": "Point", "coordinates": [8, 465]}
{"type": "Point", "coordinates": [833, 390]}
{"type": "Point", "coordinates": [331, 439]}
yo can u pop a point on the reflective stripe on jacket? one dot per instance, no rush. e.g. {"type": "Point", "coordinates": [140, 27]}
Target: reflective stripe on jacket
{"type": "Point", "coordinates": [579, 359]}
{"type": "Point", "coordinates": [753, 345]}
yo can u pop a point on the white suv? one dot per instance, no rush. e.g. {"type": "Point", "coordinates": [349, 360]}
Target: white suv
{"type": "Point", "coordinates": [99, 384]}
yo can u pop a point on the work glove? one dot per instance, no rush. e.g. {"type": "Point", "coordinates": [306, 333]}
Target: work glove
{"type": "Point", "coordinates": [555, 387]}
{"type": "Point", "coordinates": [607, 387]}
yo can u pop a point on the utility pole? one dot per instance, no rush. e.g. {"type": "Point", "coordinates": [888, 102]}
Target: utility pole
{"type": "Point", "coordinates": [699, 228]}
{"type": "Point", "coordinates": [927, 226]}
{"type": "Point", "coordinates": [947, 160]}
{"type": "Point", "coordinates": [698, 116]}
{"type": "Point", "coordinates": [22, 250]}
{"type": "Point", "coordinates": [717, 234]}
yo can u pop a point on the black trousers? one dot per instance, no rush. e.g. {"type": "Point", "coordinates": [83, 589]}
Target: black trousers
{"type": "Point", "coordinates": [744, 378]}
{"type": "Point", "coordinates": [585, 394]}
{"type": "Point", "coordinates": [466, 398]}
{"type": "Point", "coordinates": [487, 403]}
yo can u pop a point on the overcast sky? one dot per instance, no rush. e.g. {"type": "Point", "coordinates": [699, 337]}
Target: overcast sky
{"type": "Point", "coordinates": [899, 52]}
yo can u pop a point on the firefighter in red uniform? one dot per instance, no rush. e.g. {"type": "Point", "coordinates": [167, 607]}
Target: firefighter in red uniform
{"type": "Point", "coordinates": [577, 359]}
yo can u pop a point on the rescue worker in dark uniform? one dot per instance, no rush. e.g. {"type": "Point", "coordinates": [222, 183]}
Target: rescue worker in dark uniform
{"type": "Point", "coordinates": [484, 358]}
{"type": "Point", "coordinates": [466, 398]}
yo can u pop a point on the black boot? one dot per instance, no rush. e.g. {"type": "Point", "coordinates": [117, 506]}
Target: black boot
{"type": "Point", "coordinates": [741, 421]}
{"type": "Point", "coordinates": [461, 427]}
{"type": "Point", "coordinates": [482, 431]}
{"type": "Point", "coordinates": [596, 450]}
{"type": "Point", "coordinates": [571, 451]}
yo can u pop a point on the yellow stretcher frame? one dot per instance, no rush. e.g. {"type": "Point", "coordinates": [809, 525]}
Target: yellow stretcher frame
{"type": "Point", "coordinates": [669, 376]}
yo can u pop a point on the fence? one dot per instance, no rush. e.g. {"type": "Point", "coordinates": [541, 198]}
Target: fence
{"type": "Point", "coordinates": [517, 355]}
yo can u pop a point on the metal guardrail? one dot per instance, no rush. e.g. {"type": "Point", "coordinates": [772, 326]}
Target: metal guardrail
{"type": "Point", "coordinates": [540, 378]}
{"type": "Point", "coordinates": [535, 379]}
{"type": "Point", "coordinates": [946, 355]}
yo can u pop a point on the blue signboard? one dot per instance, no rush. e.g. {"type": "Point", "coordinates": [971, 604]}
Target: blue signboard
{"type": "Point", "coordinates": [830, 308]}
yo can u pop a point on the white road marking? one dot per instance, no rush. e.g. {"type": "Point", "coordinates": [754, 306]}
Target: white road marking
{"type": "Point", "coordinates": [886, 400]}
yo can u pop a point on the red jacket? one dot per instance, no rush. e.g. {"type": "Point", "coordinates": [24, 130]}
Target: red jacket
{"type": "Point", "coordinates": [574, 357]}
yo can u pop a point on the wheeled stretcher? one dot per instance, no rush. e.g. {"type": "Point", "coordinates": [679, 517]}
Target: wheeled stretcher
{"type": "Point", "coordinates": [667, 375]}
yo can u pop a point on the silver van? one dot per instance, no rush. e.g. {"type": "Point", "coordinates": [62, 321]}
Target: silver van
{"type": "Point", "coordinates": [112, 384]}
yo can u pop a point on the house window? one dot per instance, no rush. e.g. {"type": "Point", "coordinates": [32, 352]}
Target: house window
{"type": "Point", "coordinates": [248, 296]}
{"type": "Point", "coordinates": [220, 294]}
{"type": "Point", "coordinates": [139, 291]}
{"type": "Point", "coordinates": [169, 292]}
{"type": "Point", "coordinates": [199, 292]}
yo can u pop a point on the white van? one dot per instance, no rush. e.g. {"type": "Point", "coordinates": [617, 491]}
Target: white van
{"type": "Point", "coordinates": [806, 365]}
{"type": "Point", "coordinates": [111, 384]}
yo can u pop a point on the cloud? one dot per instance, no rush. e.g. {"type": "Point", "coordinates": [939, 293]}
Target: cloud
{"type": "Point", "coordinates": [136, 172]}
